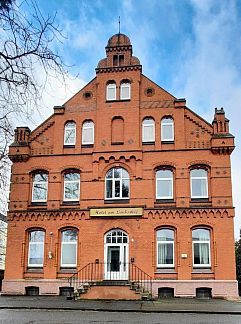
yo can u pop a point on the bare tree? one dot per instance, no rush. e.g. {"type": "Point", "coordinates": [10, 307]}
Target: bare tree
{"type": "Point", "coordinates": [26, 42]}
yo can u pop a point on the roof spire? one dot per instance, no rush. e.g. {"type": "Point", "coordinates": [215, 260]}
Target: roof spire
{"type": "Point", "coordinates": [119, 24]}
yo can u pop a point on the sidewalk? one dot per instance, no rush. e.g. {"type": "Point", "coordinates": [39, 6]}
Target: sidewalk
{"type": "Point", "coordinates": [176, 305]}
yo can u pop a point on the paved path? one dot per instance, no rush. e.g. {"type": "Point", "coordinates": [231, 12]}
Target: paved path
{"type": "Point", "coordinates": [176, 305]}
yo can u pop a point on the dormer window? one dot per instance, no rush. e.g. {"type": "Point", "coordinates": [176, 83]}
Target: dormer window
{"type": "Point", "coordinates": [111, 91]}
{"type": "Point", "coordinates": [125, 90]}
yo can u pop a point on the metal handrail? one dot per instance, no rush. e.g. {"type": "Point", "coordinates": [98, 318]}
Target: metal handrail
{"type": "Point", "coordinates": [95, 272]}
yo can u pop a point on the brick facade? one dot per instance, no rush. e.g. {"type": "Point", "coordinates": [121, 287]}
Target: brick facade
{"type": "Point", "coordinates": [118, 143]}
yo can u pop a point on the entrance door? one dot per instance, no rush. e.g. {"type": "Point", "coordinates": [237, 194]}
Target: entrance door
{"type": "Point", "coordinates": [116, 255]}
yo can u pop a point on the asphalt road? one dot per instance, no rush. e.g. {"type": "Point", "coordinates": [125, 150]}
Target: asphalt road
{"type": "Point", "coordinates": [15, 316]}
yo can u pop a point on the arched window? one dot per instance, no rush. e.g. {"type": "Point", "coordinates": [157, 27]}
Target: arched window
{"type": "Point", "coordinates": [36, 248]}
{"type": "Point", "coordinates": [71, 186]}
{"type": "Point", "coordinates": [69, 133]}
{"type": "Point", "coordinates": [69, 248]}
{"type": "Point", "coordinates": [116, 236]}
{"type": "Point", "coordinates": [201, 247]}
{"type": "Point", "coordinates": [167, 130]}
{"type": "Point", "coordinates": [199, 183]}
{"type": "Point", "coordinates": [125, 90]}
{"type": "Point", "coordinates": [117, 184]}
{"type": "Point", "coordinates": [88, 133]}
{"type": "Point", "coordinates": [148, 130]}
{"type": "Point", "coordinates": [165, 248]}
{"type": "Point", "coordinates": [40, 187]}
{"type": "Point", "coordinates": [111, 91]}
{"type": "Point", "coordinates": [164, 184]}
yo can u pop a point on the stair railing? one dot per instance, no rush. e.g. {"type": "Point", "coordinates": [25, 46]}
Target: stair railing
{"type": "Point", "coordinates": [140, 279]}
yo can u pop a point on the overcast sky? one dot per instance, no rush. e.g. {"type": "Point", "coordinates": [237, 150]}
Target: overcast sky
{"type": "Point", "coordinates": [190, 48]}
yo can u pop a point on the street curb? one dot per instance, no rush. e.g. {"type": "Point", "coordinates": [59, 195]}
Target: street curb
{"type": "Point", "coordinates": [123, 310]}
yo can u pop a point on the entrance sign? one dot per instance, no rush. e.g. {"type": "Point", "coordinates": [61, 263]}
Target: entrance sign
{"type": "Point", "coordinates": [116, 212]}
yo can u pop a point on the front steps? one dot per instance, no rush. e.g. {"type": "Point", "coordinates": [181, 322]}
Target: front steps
{"type": "Point", "coordinates": [111, 290]}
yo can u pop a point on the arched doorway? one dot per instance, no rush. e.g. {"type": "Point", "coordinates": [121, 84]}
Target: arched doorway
{"type": "Point", "coordinates": [116, 255]}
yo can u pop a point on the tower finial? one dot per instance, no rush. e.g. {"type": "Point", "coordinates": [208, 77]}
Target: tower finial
{"type": "Point", "coordinates": [119, 24]}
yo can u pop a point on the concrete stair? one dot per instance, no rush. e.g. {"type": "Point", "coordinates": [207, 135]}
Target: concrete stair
{"type": "Point", "coordinates": [111, 290]}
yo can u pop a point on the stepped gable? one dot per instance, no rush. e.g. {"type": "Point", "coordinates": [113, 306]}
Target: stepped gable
{"type": "Point", "coordinates": [197, 129]}
{"type": "Point", "coordinates": [84, 100]}
{"type": "Point", "coordinates": [43, 133]}
{"type": "Point", "coordinates": [153, 96]}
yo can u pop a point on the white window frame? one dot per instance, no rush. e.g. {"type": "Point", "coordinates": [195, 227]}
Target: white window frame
{"type": "Point", "coordinates": [110, 86]}
{"type": "Point", "coordinates": [113, 180]}
{"type": "Point", "coordinates": [35, 265]}
{"type": "Point", "coordinates": [207, 265]}
{"type": "Point", "coordinates": [167, 122]}
{"type": "Point", "coordinates": [125, 85]}
{"type": "Point", "coordinates": [145, 128]}
{"type": "Point", "coordinates": [71, 181]}
{"type": "Point", "coordinates": [39, 183]}
{"type": "Point", "coordinates": [68, 265]}
{"type": "Point", "coordinates": [161, 180]}
{"type": "Point", "coordinates": [86, 127]}
{"type": "Point", "coordinates": [198, 178]}
{"type": "Point", "coordinates": [159, 243]}
{"type": "Point", "coordinates": [69, 126]}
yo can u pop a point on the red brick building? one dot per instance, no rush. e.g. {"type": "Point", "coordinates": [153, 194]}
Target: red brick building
{"type": "Point", "coordinates": [123, 174]}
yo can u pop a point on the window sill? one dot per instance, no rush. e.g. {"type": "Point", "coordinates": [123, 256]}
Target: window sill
{"type": "Point", "coordinates": [165, 270]}
{"type": "Point", "coordinates": [87, 145]}
{"type": "Point", "coordinates": [67, 270]}
{"type": "Point", "coordinates": [164, 201]}
{"type": "Point", "coordinates": [202, 270]}
{"type": "Point", "coordinates": [148, 143]}
{"type": "Point", "coordinates": [35, 270]}
{"type": "Point", "coordinates": [34, 204]}
{"type": "Point", "coordinates": [117, 100]}
{"type": "Point", "coordinates": [71, 203]}
{"type": "Point", "coordinates": [116, 201]}
{"type": "Point", "coordinates": [69, 145]}
{"type": "Point", "coordinates": [200, 201]}
{"type": "Point", "coordinates": [167, 142]}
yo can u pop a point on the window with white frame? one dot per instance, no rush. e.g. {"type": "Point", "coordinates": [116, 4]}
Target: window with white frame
{"type": "Point", "coordinates": [201, 247]}
{"type": "Point", "coordinates": [165, 248]}
{"type": "Point", "coordinates": [117, 184]}
{"type": "Point", "coordinates": [71, 186]}
{"type": "Point", "coordinates": [69, 248]}
{"type": "Point", "coordinates": [69, 133]}
{"type": "Point", "coordinates": [88, 133]}
{"type": "Point", "coordinates": [125, 90]}
{"type": "Point", "coordinates": [36, 249]}
{"type": "Point", "coordinates": [40, 187]}
{"type": "Point", "coordinates": [111, 91]}
{"type": "Point", "coordinates": [199, 183]}
{"type": "Point", "coordinates": [148, 130]}
{"type": "Point", "coordinates": [164, 184]}
{"type": "Point", "coordinates": [167, 130]}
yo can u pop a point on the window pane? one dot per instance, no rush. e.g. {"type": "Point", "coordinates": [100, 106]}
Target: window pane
{"type": "Point", "coordinates": [108, 188]}
{"type": "Point", "coordinates": [165, 254]}
{"type": "Point", "coordinates": [164, 189]}
{"type": "Point", "coordinates": [88, 133]}
{"type": "Point", "coordinates": [164, 174]}
{"type": "Point", "coordinates": [125, 174]}
{"type": "Point", "coordinates": [117, 173]}
{"type": "Point", "coordinates": [201, 253]}
{"type": "Point", "coordinates": [199, 188]}
{"type": "Point", "coordinates": [148, 130]}
{"type": "Point", "coordinates": [68, 254]}
{"type": "Point", "coordinates": [40, 177]}
{"type": "Point", "coordinates": [199, 173]}
{"type": "Point", "coordinates": [125, 91]}
{"type": "Point", "coordinates": [111, 91]}
{"type": "Point", "coordinates": [71, 190]}
{"type": "Point", "coordinates": [69, 136]}
{"type": "Point", "coordinates": [36, 236]}
{"type": "Point", "coordinates": [117, 188]}
{"type": "Point", "coordinates": [125, 188]}
{"type": "Point", "coordinates": [109, 174]}
{"type": "Point", "coordinates": [165, 235]}
{"type": "Point", "coordinates": [69, 236]}
{"type": "Point", "coordinates": [36, 253]}
{"type": "Point", "coordinates": [40, 191]}
{"type": "Point", "coordinates": [167, 129]}
{"type": "Point", "coordinates": [71, 176]}
{"type": "Point", "coordinates": [200, 234]}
